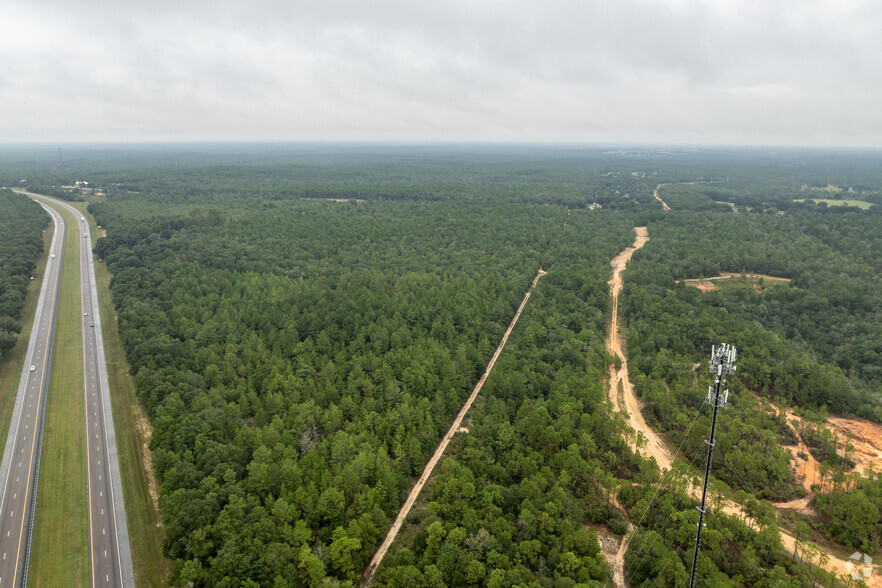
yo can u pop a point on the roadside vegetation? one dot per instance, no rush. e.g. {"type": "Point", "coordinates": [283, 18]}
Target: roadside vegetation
{"type": "Point", "coordinates": [12, 361]}
{"type": "Point", "coordinates": [21, 242]}
{"type": "Point", "coordinates": [133, 432]}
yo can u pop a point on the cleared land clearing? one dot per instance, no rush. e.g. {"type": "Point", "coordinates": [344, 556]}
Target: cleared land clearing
{"type": "Point", "coordinates": [857, 203]}
{"type": "Point", "coordinates": [759, 282]}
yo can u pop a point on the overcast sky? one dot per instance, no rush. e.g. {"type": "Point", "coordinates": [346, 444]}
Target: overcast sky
{"type": "Point", "coordinates": [763, 72]}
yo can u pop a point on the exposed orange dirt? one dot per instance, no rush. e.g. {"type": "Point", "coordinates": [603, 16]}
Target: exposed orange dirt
{"type": "Point", "coordinates": [629, 405]}
{"type": "Point", "coordinates": [707, 284]}
{"type": "Point", "coordinates": [866, 437]}
{"type": "Point", "coordinates": [654, 445]}
{"type": "Point", "coordinates": [457, 427]}
{"type": "Point", "coordinates": [663, 203]}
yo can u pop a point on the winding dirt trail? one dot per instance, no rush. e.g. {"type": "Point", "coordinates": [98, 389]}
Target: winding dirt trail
{"type": "Point", "coordinates": [657, 197]}
{"type": "Point", "coordinates": [368, 577]}
{"type": "Point", "coordinates": [629, 406]}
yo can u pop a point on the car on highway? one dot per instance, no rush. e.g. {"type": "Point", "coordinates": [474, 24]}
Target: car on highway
{"type": "Point", "coordinates": [91, 324]}
{"type": "Point", "coordinates": [52, 255]}
{"type": "Point", "coordinates": [33, 368]}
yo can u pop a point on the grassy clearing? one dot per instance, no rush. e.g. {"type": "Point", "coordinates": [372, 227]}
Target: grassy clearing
{"type": "Point", "coordinates": [60, 555]}
{"type": "Point", "coordinates": [858, 203]}
{"type": "Point", "coordinates": [132, 440]}
{"type": "Point", "coordinates": [758, 285]}
{"type": "Point", "coordinates": [12, 364]}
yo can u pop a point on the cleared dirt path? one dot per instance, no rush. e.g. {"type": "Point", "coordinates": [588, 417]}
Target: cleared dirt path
{"type": "Point", "coordinates": [368, 577]}
{"type": "Point", "coordinates": [628, 405]}
{"type": "Point", "coordinates": [618, 562]}
{"type": "Point", "coordinates": [657, 197]}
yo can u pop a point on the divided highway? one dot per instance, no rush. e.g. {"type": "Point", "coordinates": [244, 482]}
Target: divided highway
{"type": "Point", "coordinates": [109, 551]}
{"type": "Point", "coordinates": [19, 470]}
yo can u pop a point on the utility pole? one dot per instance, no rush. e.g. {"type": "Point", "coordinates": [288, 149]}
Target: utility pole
{"type": "Point", "coordinates": [722, 364]}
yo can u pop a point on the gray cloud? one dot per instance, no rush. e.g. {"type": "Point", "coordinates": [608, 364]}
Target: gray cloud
{"type": "Point", "coordinates": [739, 71]}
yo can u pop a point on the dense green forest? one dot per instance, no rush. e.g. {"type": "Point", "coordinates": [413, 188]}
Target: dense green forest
{"type": "Point", "coordinates": [21, 241]}
{"type": "Point", "coordinates": [304, 322]}
{"type": "Point", "coordinates": [542, 456]}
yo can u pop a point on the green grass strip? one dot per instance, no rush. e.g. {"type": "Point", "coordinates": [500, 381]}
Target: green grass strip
{"type": "Point", "coordinates": [60, 555]}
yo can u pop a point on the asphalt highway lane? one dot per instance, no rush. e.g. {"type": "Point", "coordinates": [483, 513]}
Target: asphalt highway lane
{"type": "Point", "coordinates": [109, 550]}
{"type": "Point", "coordinates": [19, 470]}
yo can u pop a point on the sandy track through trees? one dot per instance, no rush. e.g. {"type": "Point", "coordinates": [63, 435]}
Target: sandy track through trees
{"type": "Point", "coordinates": [629, 405]}
{"type": "Point", "coordinates": [630, 408]}
{"type": "Point", "coordinates": [657, 197]}
{"type": "Point", "coordinates": [370, 572]}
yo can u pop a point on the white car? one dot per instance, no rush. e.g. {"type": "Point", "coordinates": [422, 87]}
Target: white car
{"type": "Point", "coordinates": [33, 368]}
{"type": "Point", "coordinates": [52, 255]}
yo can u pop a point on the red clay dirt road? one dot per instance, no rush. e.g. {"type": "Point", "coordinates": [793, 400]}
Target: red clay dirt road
{"type": "Point", "coordinates": [368, 577]}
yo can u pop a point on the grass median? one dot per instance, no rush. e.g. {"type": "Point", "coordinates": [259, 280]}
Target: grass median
{"type": "Point", "coordinates": [60, 555]}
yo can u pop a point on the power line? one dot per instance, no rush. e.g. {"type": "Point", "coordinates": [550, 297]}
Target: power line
{"type": "Point", "coordinates": [658, 484]}
{"type": "Point", "coordinates": [674, 509]}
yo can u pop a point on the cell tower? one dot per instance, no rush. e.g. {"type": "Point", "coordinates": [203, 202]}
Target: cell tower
{"type": "Point", "coordinates": [722, 364]}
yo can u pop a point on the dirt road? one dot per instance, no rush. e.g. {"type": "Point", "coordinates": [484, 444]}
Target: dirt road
{"type": "Point", "coordinates": [657, 197]}
{"type": "Point", "coordinates": [368, 577]}
{"type": "Point", "coordinates": [629, 406]}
